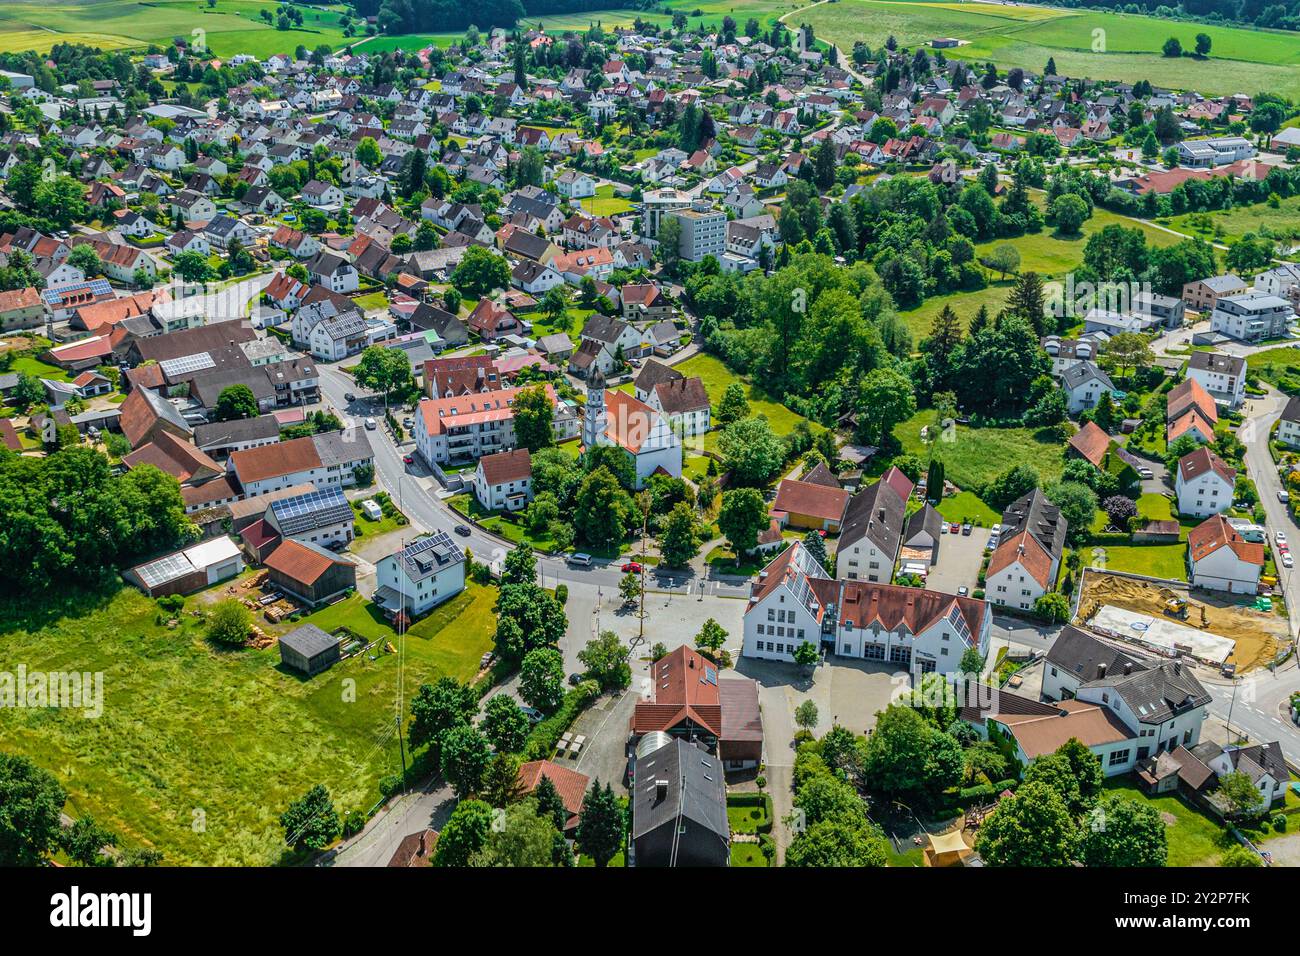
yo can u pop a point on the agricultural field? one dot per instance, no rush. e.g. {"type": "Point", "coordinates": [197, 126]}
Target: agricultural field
{"type": "Point", "coordinates": [232, 26]}
{"type": "Point", "coordinates": [192, 733]}
{"type": "Point", "coordinates": [1099, 45]}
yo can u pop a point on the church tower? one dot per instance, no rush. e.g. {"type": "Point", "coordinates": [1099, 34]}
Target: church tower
{"type": "Point", "coordinates": [593, 426]}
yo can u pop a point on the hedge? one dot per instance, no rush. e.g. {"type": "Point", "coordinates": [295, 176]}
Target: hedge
{"type": "Point", "coordinates": [543, 738]}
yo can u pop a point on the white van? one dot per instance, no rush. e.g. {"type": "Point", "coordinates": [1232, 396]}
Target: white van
{"type": "Point", "coordinates": [580, 558]}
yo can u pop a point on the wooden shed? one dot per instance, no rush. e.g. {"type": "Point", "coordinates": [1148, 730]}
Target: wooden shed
{"type": "Point", "coordinates": [310, 573]}
{"type": "Point", "coordinates": [309, 650]}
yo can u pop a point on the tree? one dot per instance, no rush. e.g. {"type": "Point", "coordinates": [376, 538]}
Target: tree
{"type": "Point", "coordinates": [603, 509]}
{"type": "Point", "coordinates": [541, 679]}
{"type": "Point", "coordinates": [1242, 798]}
{"type": "Point", "coordinates": [85, 840]}
{"type": "Point", "coordinates": [230, 623]}
{"type": "Point", "coordinates": [1123, 832]}
{"type": "Point", "coordinates": [464, 834]}
{"type": "Point", "coordinates": [311, 822]}
{"type": "Point", "coordinates": [710, 639]}
{"type": "Point", "coordinates": [742, 517]}
{"type": "Point", "coordinates": [85, 258]}
{"type": "Point", "coordinates": [1203, 44]}
{"type": "Point", "coordinates": [751, 451]}
{"type": "Point", "coordinates": [806, 655]}
{"type": "Point", "coordinates": [367, 152]}
{"type": "Point", "coordinates": [836, 843]}
{"type": "Point", "coordinates": [679, 536]}
{"type": "Point", "coordinates": [192, 267]}
{"type": "Point", "coordinates": [1016, 482]}
{"type": "Point", "coordinates": [1128, 351]}
{"type": "Point", "coordinates": [236, 402]}
{"type": "Point", "coordinates": [1003, 259]}
{"type": "Point", "coordinates": [480, 271]}
{"type": "Point", "coordinates": [1078, 505]}
{"type": "Point", "coordinates": [906, 754]}
{"type": "Point", "coordinates": [1240, 856]}
{"type": "Point", "coordinates": [885, 398]}
{"type": "Point", "coordinates": [670, 240]}
{"type": "Point", "coordinates": [600, 825]}
{"type": "Point", "coordinates": [734, 405]}
{"type": "Point", "coordinates": [549, 802]}
{"type": "Point", "coordinates": [805, 715]}
{"type": "Point", "coordinates": [1069, 212]}
{"type": "Point", "coordinates": [605, 658]}
{"type": "Point", "coordinates": [534, 418]}
{"type": "Point", "coordinates": [463, 758]}
{"type": "Point", "coordinates": [526, 838]}
{"type": "Point", "coordinates": [504, 724]}
{"type": "Point", "coordinates": [1120, 510]}
{"type": "Point", "coordinates": [383, 369]}
{"type": "Point", "coordinates": [1053, 607]}
{"type": "Point", "coordinates": [31, 802]}
{"type": "Point", "coordinates": [629, 587]}
{"type": "Point", "coordinates": [437, 708]}
{"type": "Point", "coordinates": [519, 566]}
{"type": "Point", "coordinates": [1032, 827]}
{"type": "Point", "coordinates": [815, 545]}
{"type": "Point", "coordinates": [1172, 48]}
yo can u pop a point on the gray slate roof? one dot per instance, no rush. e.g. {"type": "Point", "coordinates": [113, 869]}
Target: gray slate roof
{"type": "Point", "coordinates": [696, 790]}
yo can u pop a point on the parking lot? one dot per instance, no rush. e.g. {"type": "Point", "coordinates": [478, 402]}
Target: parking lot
{"type": "Point", "coordinates": [959, 561]}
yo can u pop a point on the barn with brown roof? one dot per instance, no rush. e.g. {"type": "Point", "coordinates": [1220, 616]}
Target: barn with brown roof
{"type": "Point", "coordinates": [310, 573]}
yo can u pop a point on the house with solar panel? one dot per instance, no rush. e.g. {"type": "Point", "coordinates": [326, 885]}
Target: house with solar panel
{"type": "Point", "coordinates": [191, 569]}
{"type": "Point", "coordinates": [420, 576]}
{"type": "Point", "coordinates": [318, 517]}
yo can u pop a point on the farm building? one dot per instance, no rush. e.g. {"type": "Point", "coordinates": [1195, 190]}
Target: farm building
{"type": "Point", "coordinates": [190, 570]}
{"type": "Point", "coordinates": [309, 650]}
{"type": "Point", "coordinates": [309, 572]}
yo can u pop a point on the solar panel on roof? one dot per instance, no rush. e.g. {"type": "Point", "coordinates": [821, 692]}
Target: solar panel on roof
{"type": "Point", "coordinates": [165, 569]}
{"type": "Point", "coordinates": [94, 287]}
{"type": "Point", "coordinates": [187, 364]}
{"type": "Point", "coordinates": [315, 509]}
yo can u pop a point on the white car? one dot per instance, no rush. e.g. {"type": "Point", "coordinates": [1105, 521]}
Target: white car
{"type": "Point", "coordinates": [1287, 560]}
{"type": "Point", "coordinates": [1283, 497]}
{"type": "Point", "coordinates": [1145, 473]}
{"type": "Point", "coordinates": [1279, 537]}
{"type": "Point", "coordinates": [370, 424]}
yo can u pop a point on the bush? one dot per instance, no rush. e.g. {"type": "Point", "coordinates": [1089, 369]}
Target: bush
{"type": "Point", "coordinates": [229, 623]}
{"type": "Point", "coordinates": [1279, 822]}
{"type": "Point", "coordinates": [353, 823]}
{"type": "Point", "coordinates": [171, 603]}
{"type": "Point", "coordinates": [562, 593]}
{"type": "Point", "coordinates": [544, 737]}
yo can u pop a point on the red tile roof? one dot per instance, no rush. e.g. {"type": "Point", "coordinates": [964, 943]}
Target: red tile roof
{"type": "Point", "coordinates": [569, 784]}
{"type": "Point", "coordinates": [1091, 442]}
{"type": "Point", "coordinates": [1215, 533]}
{"type": "Point", "coordinates": [811, 499]}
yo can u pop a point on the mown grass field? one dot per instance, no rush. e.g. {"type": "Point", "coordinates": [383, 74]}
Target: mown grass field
{"type": "Point", "coordinates": [1102, 46]}
{"type": "Point", "coordinates": [978, 455]}
{"type": "Point", "coordinates": [1194, 839]}
{"type": "Point", "coordinates": [1048, 253]}
{"type": "Point", "coordinates": [199, 749]}
{"type": "Point", "coordinates": [717, 377]}
{"type": "Point", "coordinates": [232, 26]}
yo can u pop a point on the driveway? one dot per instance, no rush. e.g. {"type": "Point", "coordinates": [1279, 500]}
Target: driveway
{"type": "Point", "coordinates": [959, 561]}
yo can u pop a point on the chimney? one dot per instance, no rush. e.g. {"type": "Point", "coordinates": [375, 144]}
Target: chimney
{"type": "Point", "coordinates": [1101, 671]}
{"type": "Point", "coordinates": [1178, 667]}
{"type": "Point", "coordinates": [1128, 668]}
{"type": "Point", "coordinates": [661, 790]}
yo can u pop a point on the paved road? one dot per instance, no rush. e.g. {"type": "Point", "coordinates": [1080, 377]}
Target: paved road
{"type": "Point", "coordinates": [1261, 414]}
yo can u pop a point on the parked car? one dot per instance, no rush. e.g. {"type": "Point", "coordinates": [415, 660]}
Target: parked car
{"type": "Point", "coordinates": [462, 530]}
{"type": "Point", "coordinates": [580, 557]}
{"type": "Point", "coordinates": [1283, 496]}
{"type": "Point", "coordinates": [349, 397]}
{"type": "Point", "coordinates": [408, 422]}
{"type": "Point", "coordinates": [370, 425]}
{"type": "Point", "coordinates": [1287, 560]}
{"type": "Point", "coordinates": [1146, 473]}
{"type": "Point", "coordinates": [575, 679]}
{"type": "Point", "coordinates": [963, 591]}
{"type": "Point", "coordinates": [532, 713]}
{"type": "Point", "coordinates": [408, 459]}
{"type": "Point", "coordinates": [631, 567]}
{"type": "Point", "coordinates": [954, 528]}
{"type": "Point", "coordinates": [966, 528]}
{"type": "Point", "coordinates": [1279, 537]}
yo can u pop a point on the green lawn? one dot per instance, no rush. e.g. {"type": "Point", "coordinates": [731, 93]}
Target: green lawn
{"type": "Point", "coordinates": [1194, 839]}
{"type": "Point", "coordinates": [981, 454]}
{"type": "Point", "coordinates": [717, 377]}
{"type": "Point", "coordinates": [966, 506]}
{"type": "Point", "coordinates": [34, 366]}
{"type": "Point", "coordinates": [371, 301]}
{"type": "Point", "coordinates": [1272, 365]}
{"type": "Point", "coordinates": [723, 560]}
{"type": "Point", "coordinates": [606, 203]}
{"type": "Point", "coordinates": [1236, 222]}
{"type": "Point", "coordinates": [747, 854]}
{"type": "Point", "coordinates": [748, 813]}
{"type": "Point", "coordinates": [367, 526]}
{"type": "Point", "coordinates": [498, 523]}
{"type": "Point", "coordinates": [1156, 560]}
{"type": "Point", "coordinates": [194, 734]}
{"type": "Point", "coordinates": [1155, 507]}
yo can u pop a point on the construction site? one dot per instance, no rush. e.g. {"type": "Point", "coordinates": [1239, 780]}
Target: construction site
{"type": "Point", "coordinates": [1240, 634]}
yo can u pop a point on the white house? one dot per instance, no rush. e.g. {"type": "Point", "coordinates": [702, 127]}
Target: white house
{"type": "Point", "coordinates": [327, 459]}
{"type": "Point", "coordinates": [1221, 559]}
{"type": "Point", "coordinates": [466, 427]}
{"type": "Point", "coordinates": [333, 272]}
{"type": "Point", "coordinates": [1223, 376]}
{"type": "Point", "coordinates": [1204, 484]}
{"type": "Point", "coordinates": [1252, 317]}
{"type": "Point", "coordinates": [503, 481]}
{"type": "Point", "coordinates": [1288, 426]}
{"type": "Point", "coordinates": [1084, 384]}
{"type": "Point", "coordinates": [684, 403]}
{"type": "Point", "coordinates": [617, 418]}
{"type": "Point", "coordinates": [419, 577]}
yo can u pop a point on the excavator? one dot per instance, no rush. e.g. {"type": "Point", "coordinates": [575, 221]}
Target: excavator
{"type": "Point", "coordinates": [1179, 607]}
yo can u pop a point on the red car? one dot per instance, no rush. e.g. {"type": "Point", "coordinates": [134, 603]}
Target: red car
{"type": "Point", "coordinates": [632, 567]}
{"type": "Point", "coordinates": [408, 459]}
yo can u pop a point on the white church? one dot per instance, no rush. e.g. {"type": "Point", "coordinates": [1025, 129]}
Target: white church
{"type": "Point", "coordinates": [617, 418]}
